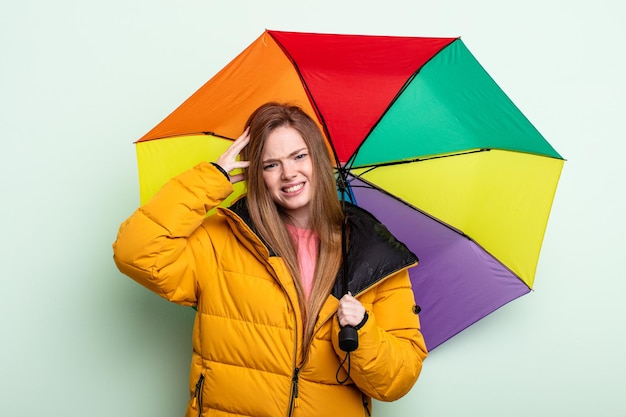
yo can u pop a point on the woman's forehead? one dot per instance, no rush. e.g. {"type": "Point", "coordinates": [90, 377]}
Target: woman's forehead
{"type": "Point", "coordinates": [283, 142]}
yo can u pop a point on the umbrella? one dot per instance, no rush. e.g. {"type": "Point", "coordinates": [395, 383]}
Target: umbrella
{"type": "Point", "coordinates": [427, 141]}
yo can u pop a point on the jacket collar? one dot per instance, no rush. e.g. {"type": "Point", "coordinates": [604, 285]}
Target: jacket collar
{"type": "Point", "coordinates": [373, 252]}
{"type": "Point", "coordinates": [241, 224]}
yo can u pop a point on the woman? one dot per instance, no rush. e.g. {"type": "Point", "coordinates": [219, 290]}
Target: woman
{"type": "Point", "coordinates": [265, 276]}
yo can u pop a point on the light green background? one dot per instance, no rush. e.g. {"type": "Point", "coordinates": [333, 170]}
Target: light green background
{"type": "Point", "coordinates": [81, 80]}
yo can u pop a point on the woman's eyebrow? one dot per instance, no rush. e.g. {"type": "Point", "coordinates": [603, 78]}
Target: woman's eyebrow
{"type": "Point", "coordinates": [294, 153]}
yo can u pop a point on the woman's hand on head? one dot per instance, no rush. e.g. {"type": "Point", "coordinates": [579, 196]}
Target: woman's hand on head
{"type": "Point", "coordinates": [350, 312]}
{"type": "Point", "coordinates": [228, 160]}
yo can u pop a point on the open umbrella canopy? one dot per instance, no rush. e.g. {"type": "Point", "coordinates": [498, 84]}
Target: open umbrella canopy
{"type": "Point", "coordinates": [429, 144]}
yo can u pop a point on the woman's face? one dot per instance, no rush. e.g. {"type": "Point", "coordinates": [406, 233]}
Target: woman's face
{"type": "Point", "coordinates": [288, 172]}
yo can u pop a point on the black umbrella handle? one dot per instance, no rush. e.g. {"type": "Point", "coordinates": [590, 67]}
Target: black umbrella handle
{"type": "Point", "coordinates": [348, 339]}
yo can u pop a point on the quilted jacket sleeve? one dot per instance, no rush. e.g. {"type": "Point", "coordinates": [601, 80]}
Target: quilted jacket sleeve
{"type": "Point", "coordinates": [391, 348]}
{"type": "Point", "coordinates": [154, 245]}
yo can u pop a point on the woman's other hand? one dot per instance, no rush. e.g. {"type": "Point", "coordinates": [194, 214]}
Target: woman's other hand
{"type": "Point", "coordinates": [228, 160]}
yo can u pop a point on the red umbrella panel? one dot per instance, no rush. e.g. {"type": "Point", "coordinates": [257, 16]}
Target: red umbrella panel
{"type": "Point", "coordinates": [429, 142]}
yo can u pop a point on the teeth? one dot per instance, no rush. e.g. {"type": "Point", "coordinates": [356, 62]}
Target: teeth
{"type": "Point", "coordinates": [294, 188]}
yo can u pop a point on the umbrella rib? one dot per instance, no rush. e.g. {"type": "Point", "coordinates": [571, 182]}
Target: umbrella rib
{"type": "Point", "coordinates": [409, 161]}
{"type": "Point", "coordinates": [178, 135]}
{"type": "Point", "coordinates": [372, 186]}
{"type": "Point", "coordinates": [217, 135]}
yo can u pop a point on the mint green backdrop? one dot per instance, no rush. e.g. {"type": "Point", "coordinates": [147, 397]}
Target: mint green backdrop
{"type": "Point", "coordinates": [80, 80]}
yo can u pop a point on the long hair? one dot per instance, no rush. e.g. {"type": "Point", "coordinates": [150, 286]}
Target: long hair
{"type": "Point", "coordinates": [325, 211]}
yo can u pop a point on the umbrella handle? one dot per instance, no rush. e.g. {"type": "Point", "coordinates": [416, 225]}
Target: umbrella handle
{"type": "Point", "coordinates": [348, 336]}
{"type": "Point", "coordinates": [348, 339]}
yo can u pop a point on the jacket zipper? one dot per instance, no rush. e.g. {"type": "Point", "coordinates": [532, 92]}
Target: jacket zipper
{"type": "Point", "coordinates": [293, 401]}
{"type": "Point", "coordinates": [365, 405]}
{"type": "Point", "coordinates": [197, 395]}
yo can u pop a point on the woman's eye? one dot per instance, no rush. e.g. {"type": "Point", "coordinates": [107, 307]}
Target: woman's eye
{"type": "Point", "coordinates": [269, 166]}
{"type": "Point", "coordinates": [301, 156]}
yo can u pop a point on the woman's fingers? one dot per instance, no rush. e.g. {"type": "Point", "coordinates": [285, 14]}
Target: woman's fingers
{"type": "Point", "coordinates": [241, 142]}
{"type": "Point", "coordinates": [350, 312]}
{"type": "Point", "coordinates": [228, 160]}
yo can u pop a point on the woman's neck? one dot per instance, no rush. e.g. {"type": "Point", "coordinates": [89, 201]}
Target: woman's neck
{"type": "Point", "coordinates": [298, 222]}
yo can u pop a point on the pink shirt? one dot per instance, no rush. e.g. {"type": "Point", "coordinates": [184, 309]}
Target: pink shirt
{"type": "Point", "coordinates": [307, 244]}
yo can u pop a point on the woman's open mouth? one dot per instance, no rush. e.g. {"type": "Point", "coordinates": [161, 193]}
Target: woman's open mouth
{"type": "Point", "coordinates": [293, 188]}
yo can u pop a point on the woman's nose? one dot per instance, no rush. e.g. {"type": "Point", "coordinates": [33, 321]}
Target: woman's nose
{"type": "Point", "coordinates": [288, 171]}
